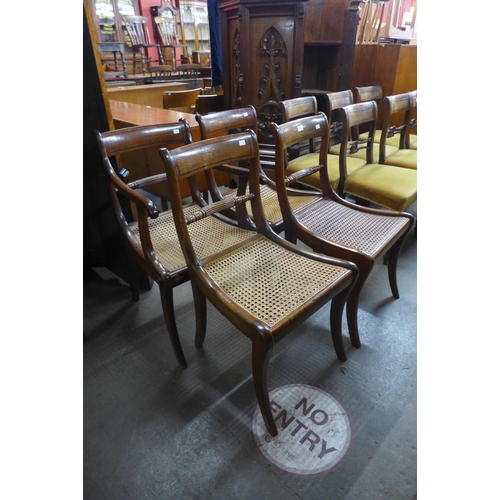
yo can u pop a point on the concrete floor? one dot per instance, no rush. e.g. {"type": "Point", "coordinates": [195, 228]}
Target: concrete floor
{"type": "Point", "coordinates": [154, 430]}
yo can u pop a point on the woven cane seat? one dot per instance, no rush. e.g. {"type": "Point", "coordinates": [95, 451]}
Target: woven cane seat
{"type": "Point", "coordinates": [362, 231]}
{"type": "Point", "coordinates": [209, 236]}
{"type": "Point", "coordinates": [270, 282]}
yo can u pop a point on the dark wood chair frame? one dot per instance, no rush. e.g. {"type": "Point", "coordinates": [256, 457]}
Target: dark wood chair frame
{"type": "Point", "coordinates": [185, 162]}
{"type": "Point", "coordinates": [309, 128]}
{"type": "Point", "coordinates": [233, 121]}
{"type": "Point", "coordinates": [118, 142]}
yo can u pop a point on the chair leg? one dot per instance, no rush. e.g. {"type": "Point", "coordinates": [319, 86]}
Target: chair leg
{"type": "Point", "coordinates": [200, 308]}
{"type": "Point", "coordinates": [261, 353]}
{"type": "Point", "coordinates": [167, 303]}
{"type": "Point", "coordinates": [364, 269]}
{"type": "Point", "coordinates": [392, 263]}
{"type": "Point", "coordinates": [336, 311]}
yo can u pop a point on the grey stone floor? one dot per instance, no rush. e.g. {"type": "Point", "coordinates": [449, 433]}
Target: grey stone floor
{"type": "Point", "coordinates": [154, 430]}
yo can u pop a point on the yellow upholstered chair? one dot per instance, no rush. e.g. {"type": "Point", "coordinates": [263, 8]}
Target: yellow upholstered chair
{"type": "Point", "coordinates": [334, 226]}
{"type": "Point", "coordinates": [388, 186]}
{"type": "Point", "coordinates": [265, 286]}
{"type": "Point", "coordinates": [308, 156]}
{"type": "Point", "coordinates": [397, 110]}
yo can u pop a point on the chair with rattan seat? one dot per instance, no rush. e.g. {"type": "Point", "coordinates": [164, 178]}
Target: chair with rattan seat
{"type": "Point", "coordinates": [137, 28]}
{"type": "Point", "coordinates": [237, 120]}
{"type": "Point", "coordinates": [293, 109]}
{"type": "Point", "coordinates": [334, 226]}
{"type": "Point", "coordinates": [181, 100]}
{"type": "Point", "coordinates": [397, 110]}
{"type": "Point", "coordinates": [387, 186]}
{"type": "Point", "coordinates": [150, 237]}
{"type": "Point", "coordinates": [265, 286]}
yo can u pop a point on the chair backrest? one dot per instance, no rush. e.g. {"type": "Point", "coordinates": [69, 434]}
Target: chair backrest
{"type": "Point", "coordinates": [188, 70]}
{"type": "Point", "coordinates": [295, 108]}
{"type": "Point", "coordinates": [308, 128]}
{"type": "Point", "coordinates": [181, 100]}
{"type": "Point", "coordinates": [167, 28]}
{"type": "Point", "coordinates": [335, 101]}
{"type": "Point", "coordinates": [227, 122]}
{"type": "Point", "coordinates": [298, 107]}
{"type": "Point", "coordinates": [368, 93]}
{"type": "Point", "coordinates": [115, 144]}
{"type": "Point", "coordinates": [397, 108]}
{"type": "Point", "coordinates": [137, 27]}
{"type": "Point", "coordinates": [352, 116]}
{"type": "Point", "coordinates": [209, 103]}
{"type": "Point", "coordinates": [187, 161]}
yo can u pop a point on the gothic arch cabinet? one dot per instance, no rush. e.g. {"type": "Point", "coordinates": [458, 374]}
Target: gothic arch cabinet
{"type": "Point", "coordinates": [263, 48]}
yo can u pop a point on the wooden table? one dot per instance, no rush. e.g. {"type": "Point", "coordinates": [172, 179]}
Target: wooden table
{"type": "Point", "coordinates": [142, 164]}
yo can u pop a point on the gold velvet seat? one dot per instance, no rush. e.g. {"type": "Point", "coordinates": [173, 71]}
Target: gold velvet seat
{"type": "Point", "coordinates": [334, 226]}
{"type": "Point", "coordinates": [388, 186]}
{"type": "Point", "coordinates": [265, 286]}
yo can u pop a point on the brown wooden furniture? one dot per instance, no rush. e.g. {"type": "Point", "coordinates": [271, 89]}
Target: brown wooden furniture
{"type": "Point", "coordinates": [332, 225]}
{"type": "Point", "coordinates": [294, 109]}
{"type": "Point", "coordinates": [391, 187]}
{"type": "Point", "coordinates": [412, 125]}
{"type": "Point", "coordinates": [166, 26]}
{"type": "Point", "coordinates": [188, 70]}
{"type": "Point", "coordinates": [392, 66]}
{"type": "Point", "coordinates": [263, 47]}
{"type": "Point", "coordinates": [137, 27]}
{"type": "Point", "coordinates": [147, 95]}
{"type": "Point", "coordinates": [148, 162]}
{"type": "Point", "coordinates": [264, 286]}
{"type": "Point", "coordinates": [114, 47]}
{"type": "Point", "coordinates": [237, 120]}
{"type": "Point", "coordinates": [181, 100]}
{"type": "Point", "coordinates": [329, 44]}
{"type": "Point", "coordinates": [397, 105]}
{"type": "Point", "coordinates": [209, 103]}
{"type": "Point", "coordinates": [151, 238]}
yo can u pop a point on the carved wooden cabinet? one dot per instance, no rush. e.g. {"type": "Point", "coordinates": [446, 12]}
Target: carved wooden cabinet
{"type": "Point", "coordinates": [263, 47]}
{"type": "Point", "coordinates": [329, 38]}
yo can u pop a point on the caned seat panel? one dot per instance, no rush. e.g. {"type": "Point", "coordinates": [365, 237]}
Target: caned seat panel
{"type": "Point", "coordinates": [245, 275]}
{"type": "Point", "coordinates": [362, 231]}
{"type": "Point", "coordinates": [209, 236]}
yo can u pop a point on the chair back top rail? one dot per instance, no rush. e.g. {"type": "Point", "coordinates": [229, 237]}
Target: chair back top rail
{"type": "Point", "coordinates": [368, 93]}
{"type": "Point", "coordinates": [298, 107]}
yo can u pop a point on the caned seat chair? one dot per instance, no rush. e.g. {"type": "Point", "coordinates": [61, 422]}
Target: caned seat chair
{"type": "Point", "coordinates": [293, 109]}
{"type": "Point", "coordinates": [265, 286]}
{"type": "Point", "coordinates": [387, 186]}
{"type": "Point", "coordinates": [334, 226]}
{"type": "Point", "coordinates": [137, 28]}
{"type": "Point", "coordinates": [398, 106]}
{"type": "Point", "coordinates": [150, 237]}
{"type": "Point", "coordinates": [237, 120]}
{"type": "Point", "coordinates": [181, 100]}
